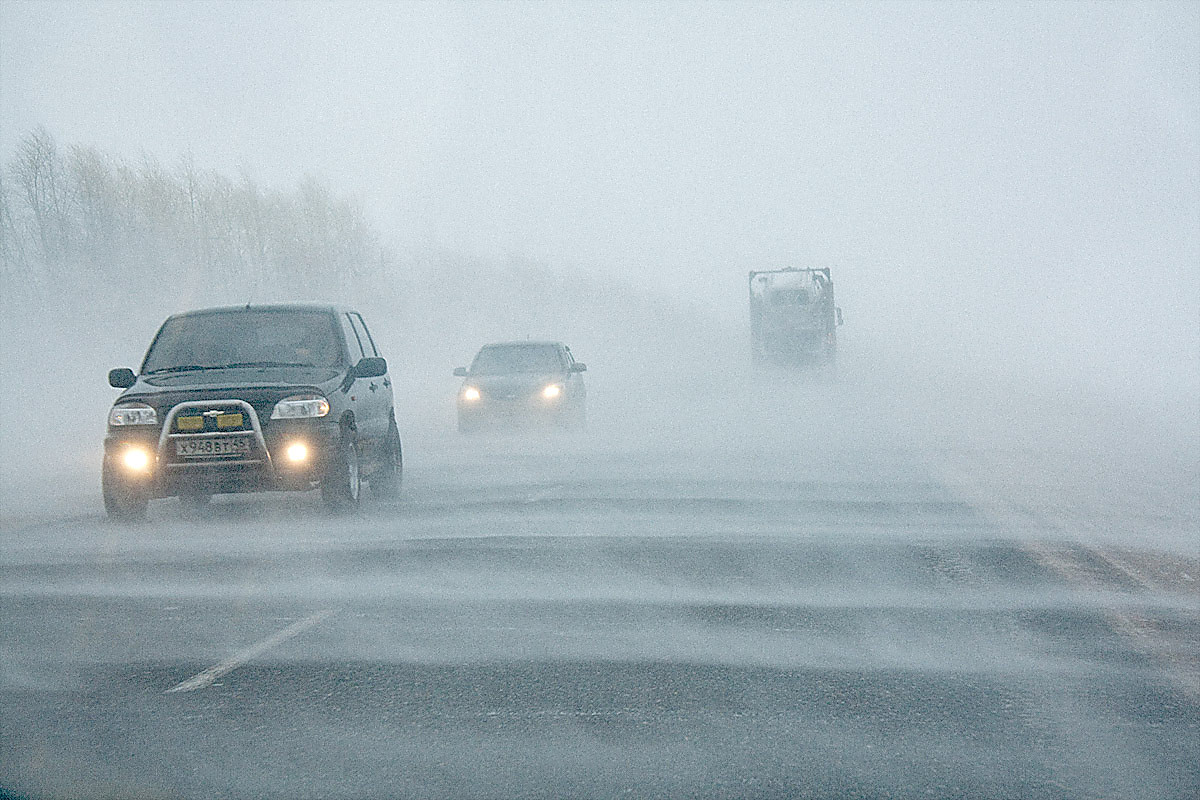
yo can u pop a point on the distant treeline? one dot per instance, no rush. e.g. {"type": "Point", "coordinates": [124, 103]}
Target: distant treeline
{"type": "Point", "coordinates": [77, 219]}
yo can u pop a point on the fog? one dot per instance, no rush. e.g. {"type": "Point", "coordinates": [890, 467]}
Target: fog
{"type": "Point", "coordinates": [1008, 197]}
{"type": "Point", "coordinates": [1007, 194]}
{"type": "Point", "coordinates": [1012, 187]}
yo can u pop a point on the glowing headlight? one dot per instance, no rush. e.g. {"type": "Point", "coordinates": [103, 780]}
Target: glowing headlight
{"type": "Point", "coordinates": [132, 414]}
{"type": "Point", "coordinates": [301, 406]}
{"type": "Point", "coordinates": [297, 452]}
{"type": "Point", "coordinates": [470, 394]}
{"type": "Point", "coordinates": [136, 459]}
{"type": "Point", "coordinates": [552, 391]}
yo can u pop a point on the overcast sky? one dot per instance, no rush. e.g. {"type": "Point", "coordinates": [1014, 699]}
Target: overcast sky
{"type": "Point", "coordinates": [1009, 173]}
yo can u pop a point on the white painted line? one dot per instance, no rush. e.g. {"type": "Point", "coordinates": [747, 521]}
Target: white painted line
{"type": "Point", "coordinates": [204, 679]}
{"type": "Point", "coordinates": [544, 494]}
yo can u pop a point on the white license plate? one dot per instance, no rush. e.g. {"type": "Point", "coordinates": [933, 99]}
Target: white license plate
{"type": "Point", "coordinates": [211, 447]}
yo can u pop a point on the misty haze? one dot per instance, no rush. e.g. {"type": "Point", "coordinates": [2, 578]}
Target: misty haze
{"type": "Point", "coordinates": [697, 525]}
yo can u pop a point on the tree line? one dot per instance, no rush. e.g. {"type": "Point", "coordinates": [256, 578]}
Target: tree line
{"type": "Point", "coordinates": [76, 220]}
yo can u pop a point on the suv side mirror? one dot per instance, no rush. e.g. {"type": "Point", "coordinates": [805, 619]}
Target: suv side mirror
{"type": "Point", "coordinates": [839, 315]}
{"type": "Point", "coordinates": [579, 366]}
{"type": "Point", "coordinates": [370, 368]}
{"type": "Point", "coordinates": [121, 378]}
{"type": "Point", "coordinates": [460, 372]}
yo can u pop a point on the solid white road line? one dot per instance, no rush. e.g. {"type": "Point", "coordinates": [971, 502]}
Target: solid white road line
{"type": "Point", "coordinates": [204, 679]}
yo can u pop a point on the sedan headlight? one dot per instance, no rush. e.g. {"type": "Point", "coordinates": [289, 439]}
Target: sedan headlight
{"type": "Point", "coordinates": [301, 406]}
{"type": "Point", "coordinates": [132, 414]}
{"type": "Point", "coordinates": [552, 391]}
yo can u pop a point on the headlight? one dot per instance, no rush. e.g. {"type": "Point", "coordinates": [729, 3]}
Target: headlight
{"type": "Point", "coordinates": [301, 406]}
{"type": "Point", "coordinates": [132, 414]}
{"type": "Point", "coordinates": [136, 459]}
{"type": "Point", "coordinates": [552, 391]}
{"type": "Point", "coordinates": [296, 452]}
{"type": "Point", "coordinates": [470, 394]}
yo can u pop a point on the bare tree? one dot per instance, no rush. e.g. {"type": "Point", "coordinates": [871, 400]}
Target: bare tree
{"type": "Point", "coordinates": [95, 220]}
{"type": "Point", "coordinates": [93, 189]}
{"type": "Point", "coordinates": [37, 171]}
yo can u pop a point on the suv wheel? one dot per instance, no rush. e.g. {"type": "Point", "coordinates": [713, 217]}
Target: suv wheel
{"type": "Point", "coordinates": [123, 500]}
{"type": "Point", "coordinates": [388, 476]}
{"type": "Point", "coordinates": [341, 484]}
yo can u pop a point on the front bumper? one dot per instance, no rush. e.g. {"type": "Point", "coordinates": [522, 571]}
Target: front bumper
{"type": "Point", "coordinates": [262, 461]}
{"type": "Point", "coordinates": [512, 412]}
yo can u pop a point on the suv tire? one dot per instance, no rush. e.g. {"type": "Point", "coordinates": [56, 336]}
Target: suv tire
{"type": "Point", "coordinates": [122, 499]}
{"type": "Point", "coordinates": [389, 475]}
{"type": "Point", "coordinates": [341, 485]}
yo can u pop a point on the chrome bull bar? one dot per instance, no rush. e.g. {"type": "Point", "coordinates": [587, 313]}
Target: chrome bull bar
{"type": "Point", "coordinates": [167, 437]}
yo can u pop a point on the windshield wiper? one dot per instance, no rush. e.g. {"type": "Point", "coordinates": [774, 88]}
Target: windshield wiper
{"type": "Point", "coordinates": [180, 368]}
{"type": "Point", "coordinates": [234, 365]}
{"type": "Point", "coordinates": [264, 364]}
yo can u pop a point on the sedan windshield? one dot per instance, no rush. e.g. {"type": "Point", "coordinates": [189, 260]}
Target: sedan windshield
{"type": "Point", "coordinates": [250, 338]}
{"type": "Point", "coordinates": [507, 359]}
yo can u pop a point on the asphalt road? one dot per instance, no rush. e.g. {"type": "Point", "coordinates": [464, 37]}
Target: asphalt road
{"type": "Point", "coordinates": [673, 616]}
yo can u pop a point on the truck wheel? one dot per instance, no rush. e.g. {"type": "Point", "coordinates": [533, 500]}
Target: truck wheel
{"type": "Point", "coordinates": [389, 475]}
{"type": "Point", "coordinates": [829, 371]}
{"type": "Point", "coordinates": [341, 485]}
{"type": "Point", "coordinates": [123, 500]}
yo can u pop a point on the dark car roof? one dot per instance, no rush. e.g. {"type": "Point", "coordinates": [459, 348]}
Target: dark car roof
{"type": "Point", "coordinates": [281, 307]}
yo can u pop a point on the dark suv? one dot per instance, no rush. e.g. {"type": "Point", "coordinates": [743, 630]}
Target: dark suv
{"type": "Point", "coordinates": [253, 398]}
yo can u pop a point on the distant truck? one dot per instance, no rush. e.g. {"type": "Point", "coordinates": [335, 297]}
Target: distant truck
{"type": "Point", "coordinates": [793, 319]}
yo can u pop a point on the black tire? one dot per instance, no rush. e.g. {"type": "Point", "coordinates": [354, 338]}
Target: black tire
{"type": "Point", "coordinates": [575, 419]}
{"type": "Point", "coordinates": [123, 500]}
{"type": "Point", "coordinates": [388, 477]}
{"type": "Point", "coordinates": [341, 485]}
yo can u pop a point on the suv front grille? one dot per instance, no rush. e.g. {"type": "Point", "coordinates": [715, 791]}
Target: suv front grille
{"type": "Point", "coordinates": [210, 421]}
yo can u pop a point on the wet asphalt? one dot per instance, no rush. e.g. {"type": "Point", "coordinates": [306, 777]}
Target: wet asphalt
{"type": "Point", "coordinates": [554, 618]}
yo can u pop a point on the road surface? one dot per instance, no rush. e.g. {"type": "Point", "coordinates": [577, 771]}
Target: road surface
{"type": "Point", "coordinates": [691, 612]}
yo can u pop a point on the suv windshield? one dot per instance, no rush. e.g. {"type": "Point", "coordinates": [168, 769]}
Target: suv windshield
{"type": "Point", "coordinates": [244, 338]}
{"type": "Point", "coordinates": [504, 359]}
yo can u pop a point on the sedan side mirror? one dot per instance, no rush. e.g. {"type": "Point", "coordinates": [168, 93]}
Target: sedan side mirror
{"type": "Point", "coordinates": [579, 366]}
{"type": "Point", "coordinates": [370, 368]}
{"type": "Point", "coordinates": [460, 372]}
{"type": "Point", "coordinates": [121, 378]}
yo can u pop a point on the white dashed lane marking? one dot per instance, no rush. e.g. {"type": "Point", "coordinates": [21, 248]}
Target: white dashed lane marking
{"type": "Point", "coordinates": [545, 494]}
{"type": "Point", "coordinates": [205, 679]}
